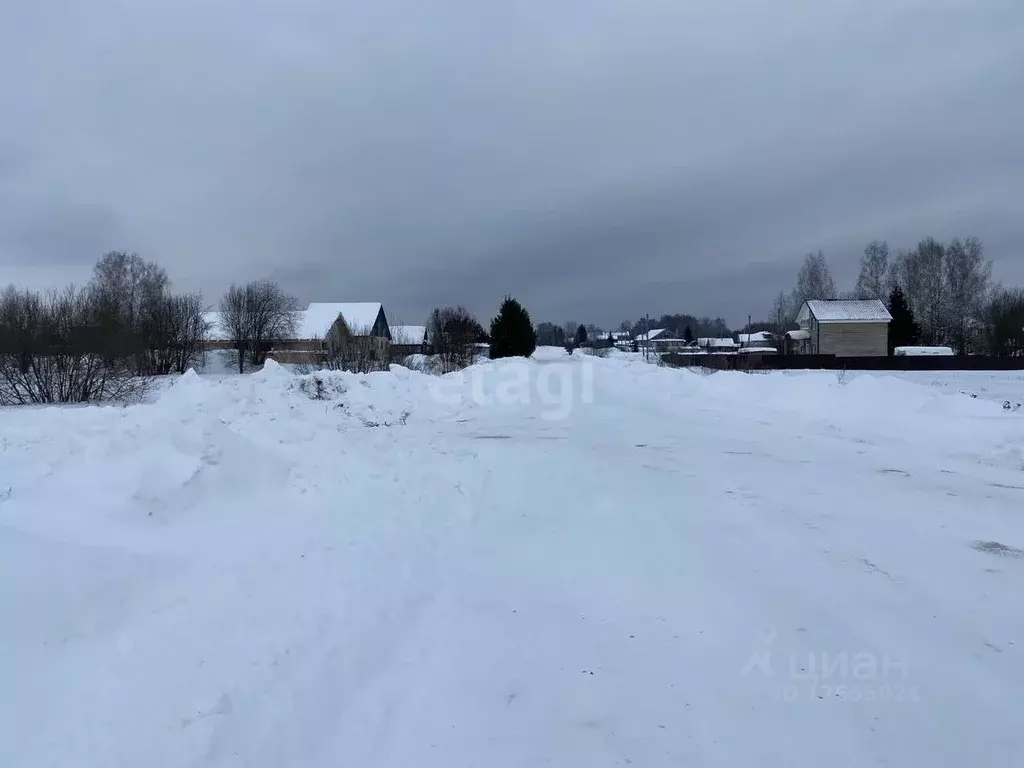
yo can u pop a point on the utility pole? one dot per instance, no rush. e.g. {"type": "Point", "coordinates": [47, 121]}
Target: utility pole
{"type": "Point", "coordinates": [647, 338]}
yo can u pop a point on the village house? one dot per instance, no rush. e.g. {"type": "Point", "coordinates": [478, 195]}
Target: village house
{"type": "Point", "coordinates": [717, 345]}
{"type": "Point", "coordinates": [845, 328]}
{"type": "Point", "coordinates": [756, 339]}
{"type": "Point", "coordinates": [334, 326]}
{"type": "Point", "coordinates": [660, 340]}
{"type": "Point", "coordinates": [608, 338]}
{"type": "Point", "coordinates": [408, 340]}
{"type": "Point", "coordinates": [321, 326]}
{"type": "Point", "coordinates": [798, 342]}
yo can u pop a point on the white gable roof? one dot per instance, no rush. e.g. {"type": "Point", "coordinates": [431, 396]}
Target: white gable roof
{"type": "Point", "coordinates": [652, 334]}
{"type": "Point", "coordinates": [408, 334]}
{"type": "Point", "coordinates": [716, 343]}
{"type": "Point", "coordinates": [846, 311]}
{"type": "Point", "coordinates": [318, 318]}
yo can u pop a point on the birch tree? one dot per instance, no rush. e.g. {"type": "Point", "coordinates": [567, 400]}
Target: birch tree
{"type": "Point", "coordinates": [968, 277]}
{"type": "Point", "coordinates": [814, 280]}
{"type": "Point", "coordinates": [874, 269]}
{"type": "Point", "coordinates": [256, 315]}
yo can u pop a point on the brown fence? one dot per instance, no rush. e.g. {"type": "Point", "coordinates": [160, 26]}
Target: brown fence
{"type": "Point", "coordinates": [753, 362]}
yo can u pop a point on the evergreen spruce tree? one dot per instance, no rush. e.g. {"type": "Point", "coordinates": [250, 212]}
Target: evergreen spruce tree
{"type": "Point", "coordinates": [581, 336]}
{"type": "Point", "coordinates": [688, 335]}
{"type": "Point", "coordinates": [903, 330]}
{"type": "Point", "coordinates": [512, 333]}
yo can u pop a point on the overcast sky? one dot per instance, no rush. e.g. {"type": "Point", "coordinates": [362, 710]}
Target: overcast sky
{"type": "Point", "coordinates": [596, 158]}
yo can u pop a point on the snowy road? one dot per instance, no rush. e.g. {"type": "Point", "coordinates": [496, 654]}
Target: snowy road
{"type": "Point", "coordinates": [720, 570]}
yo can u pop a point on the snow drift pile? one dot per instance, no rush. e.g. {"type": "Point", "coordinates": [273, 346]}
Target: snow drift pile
{"type": "Point", "coordinates": [565, 561]}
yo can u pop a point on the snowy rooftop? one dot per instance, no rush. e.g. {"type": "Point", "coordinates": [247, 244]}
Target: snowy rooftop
{"type": "Point", "coordinates": [653, 334]}
{"type": "Point", "coordinates": [716, 343]}
{"type": "Point", "coordinates": [408, 334]}
{"type": "Point", "coordinates": [846, 311]}
{"type": "Point", "coordinates": [318, 317]}
{"type": "Point", "coordinates": [799, 335]}
{"type": "Point", "coordinates": [757, 337]}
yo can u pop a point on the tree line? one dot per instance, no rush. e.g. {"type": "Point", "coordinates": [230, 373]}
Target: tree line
{"type": "Point", "coordinates": [102, 341]}
{"type": "Point", "coordinates": [455, 335]}
{"type": "Point", "coordinates": [110, 339]}
{"type": "Point", "coordinates": [683, 326]}
{"type": "Point", "coordinates": [939, 294]}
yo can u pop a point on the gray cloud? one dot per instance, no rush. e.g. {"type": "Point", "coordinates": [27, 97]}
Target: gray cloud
{"type": "Point", "coordinates": [599, 159]}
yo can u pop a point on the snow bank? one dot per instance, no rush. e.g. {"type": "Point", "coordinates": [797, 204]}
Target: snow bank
{"type": "Point", "coordinates": [404, 569]}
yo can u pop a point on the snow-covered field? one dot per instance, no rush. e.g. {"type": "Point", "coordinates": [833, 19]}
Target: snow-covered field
{"type": "Point", "coordinates": [568, 561]}
{"type": "Point", "coordinates": [1000, 386]}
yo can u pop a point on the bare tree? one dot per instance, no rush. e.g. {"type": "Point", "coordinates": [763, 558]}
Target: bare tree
{"type": "Point", "coordinates": [968, 279]}
{"type": "Point", "coordinates": [132, 304]}
{"type": "Point", "coordinates": [814, 280]}
{"type": "Point", "coordinates": [256, 315]}
{"type": "Point", "coordinates": [947, 288]}
{"type": "Point", "coordinates": [1005, 323]}
{"type": "Point", "coordinates": [126, 294]}
{"type": "Point", "coordinates": [930, 257]}
{"type": "Point", "coordinates": [53, 350]}
{"type": "Point", "coordinates": [874, 271]}
{"type": "Point", "coordinates": [175, 328]}
{"type": "Point", "coordinates": [128, 287]}
{"type": "Point", "coordinates": [907, 271]}
{"type": "Point", "coordinates": [783, 316]}
{"type": "Point", "coordinates": [453, 332]}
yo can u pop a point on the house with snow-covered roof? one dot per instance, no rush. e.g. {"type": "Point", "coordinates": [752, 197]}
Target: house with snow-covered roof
{"type": "Point", "coordinates": [845, 328]}
{"type": "Point", "coordinates": [408, 340]}
{"type": "Point", "coordinates": [756, 339]}
{"type": "Point", "coordinates": [356, 319]}
{"type": "Point", "coordinates": [320, 328]}
{"type": "Point", "coordinates": [654, 333]}
{"type": "Point", "coordinates": [336, 327]}
{"type": "Point", "coordinates": [660, 340]}
{"type": "Point", "coordinates": [717, 345]}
